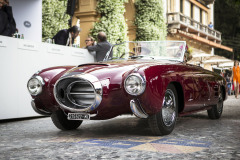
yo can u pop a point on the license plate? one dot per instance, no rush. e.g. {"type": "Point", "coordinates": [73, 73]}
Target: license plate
{"type": "Point", "coordinates": [78, 116]}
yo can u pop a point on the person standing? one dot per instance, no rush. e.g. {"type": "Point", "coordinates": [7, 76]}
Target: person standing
{"type": "Point", "coordinates": [7, 22]}
{"type": "Point", "coordinates": [228, 83]}
{"type": "Point", "coordinates": [210, 25]}
{"type": "Point", "coordinates": [102, 47]}
{"type": "Point", "coordinates": [66, 37]}
{"type": "Point", "coordinates": [90, 42]}
{"type": "Point", "coordinates": [236, 77]}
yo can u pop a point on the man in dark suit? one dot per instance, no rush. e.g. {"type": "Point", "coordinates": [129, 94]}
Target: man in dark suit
{"type": "Point", "coordinates": [66, 36]}
{"type": "Point", "coordinates": [102, 47]}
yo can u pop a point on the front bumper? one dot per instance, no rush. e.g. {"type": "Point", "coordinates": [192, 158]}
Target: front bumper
{"type": "Point", "coordinates": [39, 111]}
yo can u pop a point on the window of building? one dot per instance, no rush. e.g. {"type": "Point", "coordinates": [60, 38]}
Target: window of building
{"type": "Point", "coordinates": [181, 6]}
{"type": "Point", "coordinates": [201, 17]}
{"type": "Point", "coordinates": [169, 6]}
{"type": "Point", "coordinates": [191, 11]}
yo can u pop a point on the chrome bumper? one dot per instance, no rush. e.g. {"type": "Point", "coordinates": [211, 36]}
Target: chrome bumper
{"type": "Point", "coordinates": [137, 109]}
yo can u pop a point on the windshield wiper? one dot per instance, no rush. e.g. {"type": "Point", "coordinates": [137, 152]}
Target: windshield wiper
{"type": "Point", "coordinates": [141, 56]}
{"type": "Point", "coordinates": [174, 60]}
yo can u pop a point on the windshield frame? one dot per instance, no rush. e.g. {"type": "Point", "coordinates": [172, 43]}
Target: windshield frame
{"type": "Point", "coordinates": [181, 59]}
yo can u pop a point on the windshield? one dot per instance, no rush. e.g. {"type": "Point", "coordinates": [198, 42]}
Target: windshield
{"type": "Point", "coordinates": [157, 50]}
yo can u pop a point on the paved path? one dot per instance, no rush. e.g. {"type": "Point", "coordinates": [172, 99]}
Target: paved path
{"type": "Point", "coordinates": [125, 137]}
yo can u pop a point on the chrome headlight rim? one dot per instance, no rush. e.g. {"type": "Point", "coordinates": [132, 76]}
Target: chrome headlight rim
{"type": "Point", "coordinates": [142, 80]}
{"type": "Point", "coordinates": [93, 81]}
{"type": "Point", "coordinates": [40, 82]}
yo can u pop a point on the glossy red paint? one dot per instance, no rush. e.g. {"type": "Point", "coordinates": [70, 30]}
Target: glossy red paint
{"type": "Point", "coordinates": [197, 88]}
{"type": "Point", "coordinates": [196, 83]}
{"type": "Point", "coordinates": [46, 101]}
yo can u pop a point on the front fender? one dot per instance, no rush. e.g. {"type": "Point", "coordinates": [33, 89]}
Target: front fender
{"type": "Point", "coordinates": [157, 80]}
{"type": "Point", "coordinates": [45, 100]}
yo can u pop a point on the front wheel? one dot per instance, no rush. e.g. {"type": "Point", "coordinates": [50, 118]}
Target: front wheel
{"type": "Point", "coordinates": [216, 111]}
{"type": "Point", "coordinates": [61, 122]}
{"type": "Point", "coordinates": [163, 122]}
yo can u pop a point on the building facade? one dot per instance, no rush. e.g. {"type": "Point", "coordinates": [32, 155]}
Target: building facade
{"type": "Point", "coordinates": [193, 22]}
{"type": "Point", "coordinates": [187, 20]}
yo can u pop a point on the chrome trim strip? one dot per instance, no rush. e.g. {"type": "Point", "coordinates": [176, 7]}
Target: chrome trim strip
{"type": "Point", "coordinates": [81, 93]}
{"type": "Point", "coordinates": [137, 109]}
{"type": "Point", "coordinates": [95, 84]}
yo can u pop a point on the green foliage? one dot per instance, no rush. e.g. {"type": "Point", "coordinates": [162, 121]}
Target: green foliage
{"type": "Point", "coordinates": [234, 4]}
{"type": "Point", "coordinates": [150, 20]}
{"type": "Point", "coordinates": [53, 17]}
{"type": "Point", "coordinates": [227, 21]}
{"type": "Point", "coordinates": [112, 20]}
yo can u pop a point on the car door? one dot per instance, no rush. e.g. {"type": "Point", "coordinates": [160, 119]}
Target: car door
{"type": "Point", "coordinates": [214, 88]}
{"type": "Point", "coordinates": [199, 90]}
{"type": "Point", "coordinates": [189, 87]}
{"type": "Point", "coordinates": [209, 87]}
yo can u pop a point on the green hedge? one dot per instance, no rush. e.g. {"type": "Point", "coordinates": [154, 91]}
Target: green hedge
{"type": "Point", "coordinates": [54, 17]}
{"type": "Point", "coordinates": [150, 20]}
{"type": "Point", "coordinates": [112, 20]}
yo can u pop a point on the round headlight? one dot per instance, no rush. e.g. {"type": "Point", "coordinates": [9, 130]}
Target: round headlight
{"type": "Point", "coordinates": [134, 84]}
{"type": "Point", "coordinates": [35, 85]}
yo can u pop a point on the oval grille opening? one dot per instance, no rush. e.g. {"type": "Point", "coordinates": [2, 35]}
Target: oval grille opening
{"type": "Point", "coordinates": [81, 93]}
{"type": "Point", "coordinates": [75, 93]}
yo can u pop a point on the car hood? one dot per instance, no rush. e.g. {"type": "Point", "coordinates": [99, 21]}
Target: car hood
{"type": "Point", "coordinates": [103, 70]}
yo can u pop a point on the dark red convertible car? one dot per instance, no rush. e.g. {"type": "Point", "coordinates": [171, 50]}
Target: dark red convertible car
{"type": "Point", "coordinates": [148, 79]}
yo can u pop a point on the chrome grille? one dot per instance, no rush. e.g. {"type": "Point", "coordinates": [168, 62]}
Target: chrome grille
{"type": "Point", "coordinates": [78, 92]}
{"type": "Point", "coordinates": [81, 93]}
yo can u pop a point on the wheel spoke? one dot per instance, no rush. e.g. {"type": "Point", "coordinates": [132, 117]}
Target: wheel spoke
{"type": "Point", "coordinates": [168, 108]}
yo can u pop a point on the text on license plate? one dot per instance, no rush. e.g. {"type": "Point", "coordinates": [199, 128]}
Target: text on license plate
{"type": "Point", "coordinates": [78, 116]}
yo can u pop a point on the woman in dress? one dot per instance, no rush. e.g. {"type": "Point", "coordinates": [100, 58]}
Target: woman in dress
{"type": "Point", "coordinates": [236, 77]}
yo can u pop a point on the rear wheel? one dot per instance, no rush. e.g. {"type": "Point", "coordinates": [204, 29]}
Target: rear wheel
{"type": "Point", "coordinates": [61, 122]}
{"type": "Point", "coordinates": [216, 111]}
{"type": "Point", "coordinates": [163, 122]}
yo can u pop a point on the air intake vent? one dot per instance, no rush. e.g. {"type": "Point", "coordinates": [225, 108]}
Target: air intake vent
{"type": "Point", "coordinates": [81, 93]}
{"type": "Point", "coordinates": [78, 93]}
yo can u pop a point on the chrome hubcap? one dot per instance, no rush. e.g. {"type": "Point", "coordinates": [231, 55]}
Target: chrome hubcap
{"type": "Point", "coordinates": [169, 108]}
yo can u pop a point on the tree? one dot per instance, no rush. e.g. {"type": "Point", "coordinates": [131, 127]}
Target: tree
{"type": "Point", "coordinates": [235, 4]}
{"type": "Point", "coordinates": [227, 21]}
{"type": "Point", "coordinates": [150, 20]}
{"type": "Point", "coordinates": [53, 17]}
{"type": "Point", "coordinates": [112, 20]}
